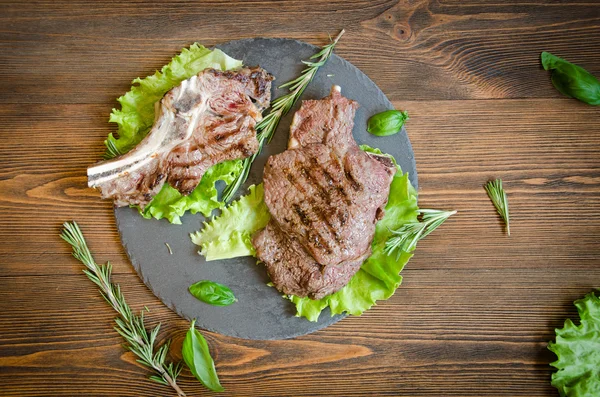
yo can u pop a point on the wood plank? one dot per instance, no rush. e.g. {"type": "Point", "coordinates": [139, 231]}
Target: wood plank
{"type": "Point", "coordinates": [88, 52]}
{"type": "Point", "coordinates": [390, 350]}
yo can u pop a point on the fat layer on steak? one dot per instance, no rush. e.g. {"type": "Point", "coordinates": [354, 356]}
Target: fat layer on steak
{"type": "Point", "coordinates": [325, 195]}
{"type": "Point", "coordinates": [209, 118]}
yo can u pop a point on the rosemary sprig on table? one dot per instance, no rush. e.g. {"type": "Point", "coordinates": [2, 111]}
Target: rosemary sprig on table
{"type": "Point", "coordinates": [279, 108]}
{"type": "Point", "coordinates": [406, 237]}
{"type": "Point", "coordinates": [129, 326]}
{"type": "Point", "coordinates": [498, 196]}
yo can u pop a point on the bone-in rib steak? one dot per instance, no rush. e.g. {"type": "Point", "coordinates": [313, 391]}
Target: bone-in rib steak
{"type": "Point", "coordinates": [207, 119]}
{"type": "Point", "coordinates": [325, 195]}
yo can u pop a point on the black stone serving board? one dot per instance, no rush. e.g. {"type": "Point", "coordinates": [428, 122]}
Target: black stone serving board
{"type": "Point", "coordinates": [260, 313]}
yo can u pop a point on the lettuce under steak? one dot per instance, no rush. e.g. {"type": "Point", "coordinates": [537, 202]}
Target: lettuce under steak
{"type": "Point", "coordinates": [228, 236]}
{"type": "Point", "coordinates": [135, 119]}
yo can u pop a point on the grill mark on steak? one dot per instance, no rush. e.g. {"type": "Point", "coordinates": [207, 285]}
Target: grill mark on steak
{"type": "Point", "coordinates": [314, 237]}
{"type": "Point", "coordinates": [320, 209]}
{"type": "Point", "coordinates": [316, 166]}
{"type": "Point", "coordinates": [338, 169]}
{"type": "Point", "coordinates": [184, 163]}
{"type": "Point", "coordinates": [355, 185]}
{"type": "Point", "coordinates": [316, 207]}
{"type": "Point", "coordinates": [301, 214]}
{"type": "Point", "coordinates": [157, 180]}
{"type": "Point", "coordinates": [262, 86]}
{"type": "Point", "coordinates": [312, 233]}
{"type": "Point", "coordinates": [221, 136]}
{"type": "Point", "coordinates": [342, 217]}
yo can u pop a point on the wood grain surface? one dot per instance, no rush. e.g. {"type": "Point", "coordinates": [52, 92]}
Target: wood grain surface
{"type": "Point", "coordinates": [476, 308]}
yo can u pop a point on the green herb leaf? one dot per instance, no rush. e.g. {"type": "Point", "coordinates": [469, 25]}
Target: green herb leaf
{"type": "Point", "coordinates": [498, 196]}
{"type": "Point", "coordinates": [130, 326]}
{"type": "Point", "coordinates": [405, 238]}
{"type": "Point", "coordinates": [572, 80]}
{"type": "Point", "coordinates": [387, 123]}
{"type": "Point", "coordinates": [197, 357]}
{"type": "Point", "coordinates": [212, 293]}
{"type": "Point", "coordinates": [578, 352]}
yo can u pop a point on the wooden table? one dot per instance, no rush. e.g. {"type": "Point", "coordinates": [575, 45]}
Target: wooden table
{"type": "Point", "coordinates": [476, 308]}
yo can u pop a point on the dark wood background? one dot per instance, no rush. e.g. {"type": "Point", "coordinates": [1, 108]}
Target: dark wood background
{"type": "Point", "coordinates": [476, 308]}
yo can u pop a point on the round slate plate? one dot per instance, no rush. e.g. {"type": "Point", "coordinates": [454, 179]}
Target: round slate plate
{"type": "Point", "coordinates": [261, 312]}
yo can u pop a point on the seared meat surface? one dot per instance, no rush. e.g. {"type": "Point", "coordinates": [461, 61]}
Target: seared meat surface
{"type": "Point", "coordinates": [294, 271]}
{"type": "Point", "coordinates": [324, 195]}
{"type": "Point", "coordinates": [209, 118]}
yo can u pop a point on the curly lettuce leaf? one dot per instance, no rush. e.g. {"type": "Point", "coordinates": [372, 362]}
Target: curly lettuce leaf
{"type": "Point", "coordinates": [135, 119]}
{"type": "Point", "coordinates": [578, 350]}
{"type": "Point", "coordinates": [229, 235]}
{"type": "Point", "coordinates": [171, 204]}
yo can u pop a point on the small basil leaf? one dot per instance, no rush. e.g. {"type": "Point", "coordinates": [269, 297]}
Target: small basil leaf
{"type": "Point", "coordinates": [572, 80]}
{"type": "Point", "coordinates": [212, 293]}
{"type": "Point", "coordinates": [387, 123]}
{"type": "Point", "coordinates": [197, 357]}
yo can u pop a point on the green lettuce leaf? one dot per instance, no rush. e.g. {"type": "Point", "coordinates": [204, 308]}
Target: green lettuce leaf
{"type": "Point", "coordinates": [228, 235]}
{"type": "Point", "coordinates": [135, 119]}
{"type": "Point", "coordinates": [171, 204]}
{"type": "Point", "coordinates": [578, 350]}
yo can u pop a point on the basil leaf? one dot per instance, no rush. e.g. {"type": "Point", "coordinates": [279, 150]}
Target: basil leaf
{"type": "Point", "coordinates": [197, 357]}
{"type": "Point", "coordinates": [212, 293]}
{"type": "Point", "coordinates": [572, 80]}
{"type": "Point", "coordinates": [387, 123]}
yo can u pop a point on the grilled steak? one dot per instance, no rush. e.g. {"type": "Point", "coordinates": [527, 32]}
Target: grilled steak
{"type": "Point", "coordinates": [207, 119]}
{"type": "Point", "coordinates": [324, 195]}
{"type": "Point", "coordinates": [292, 269]}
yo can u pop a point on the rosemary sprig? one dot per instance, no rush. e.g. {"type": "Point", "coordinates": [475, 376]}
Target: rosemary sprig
{"type": "Point", "coordinates": [279, 108]}
{"type": "Point", "coordinates": [406, 237]}
{"type": "Point", "coordinates": [111, 150]}
{"type": "Point", "coordinates": [498, 196]}
{"type": "Point", "coordinates": [129, 326]}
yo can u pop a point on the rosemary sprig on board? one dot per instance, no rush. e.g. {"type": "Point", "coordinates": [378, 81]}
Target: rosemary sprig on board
{"type": "Point", "coordinates": [406, 237]}
{"type": "Point", "coordinates": [498, 196]}
{"type": "Point", "coordinates": [279, 108]}
{"type": "Point", "coordinates": [129, 326]}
